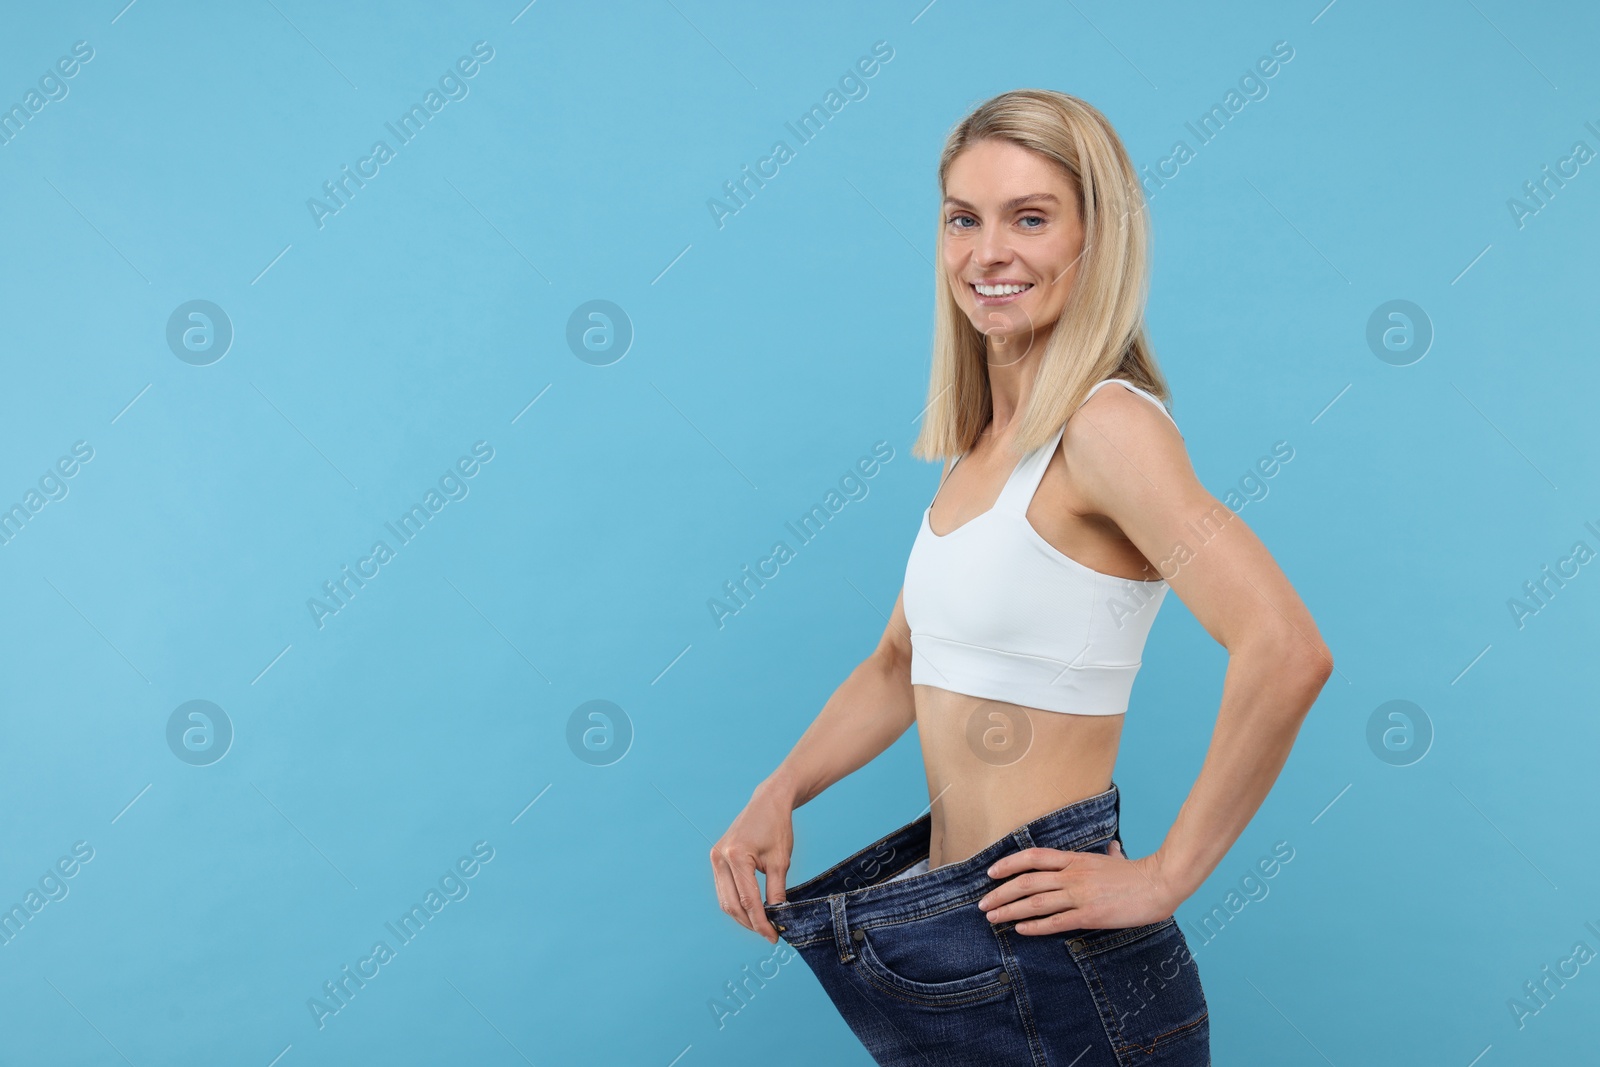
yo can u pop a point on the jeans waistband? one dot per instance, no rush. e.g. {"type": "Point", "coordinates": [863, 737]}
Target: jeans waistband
{"type": "Point", "coordinates": [815, 909]}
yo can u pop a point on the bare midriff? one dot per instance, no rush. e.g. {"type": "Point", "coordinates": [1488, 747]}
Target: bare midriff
{"type": "Point", "coordinates": [993, 766]}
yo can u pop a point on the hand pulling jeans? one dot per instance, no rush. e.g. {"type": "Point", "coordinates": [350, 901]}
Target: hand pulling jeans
{"type": "Point", "coordinates": [922, 978]}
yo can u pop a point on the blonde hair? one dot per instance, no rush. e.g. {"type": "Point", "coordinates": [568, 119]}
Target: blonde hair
{"type": "Point", "coordinates": [1100, 333]}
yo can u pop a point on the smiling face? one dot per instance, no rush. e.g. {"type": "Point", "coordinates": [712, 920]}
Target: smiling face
{"type": "Point", "coordinates": [1012, 238]}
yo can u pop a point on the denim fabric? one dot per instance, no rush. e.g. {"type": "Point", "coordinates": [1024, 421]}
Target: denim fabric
{"type": "Point", "coordinates": [922, 978]}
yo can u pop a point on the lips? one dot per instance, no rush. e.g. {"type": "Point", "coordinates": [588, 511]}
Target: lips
{"type": "Point", "coordinates": [1011, 291]}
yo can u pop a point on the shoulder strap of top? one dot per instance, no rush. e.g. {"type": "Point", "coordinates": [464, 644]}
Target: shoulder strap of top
{"type": "Point", "coordinates": [949, 472]}
{"type": "Point", "coordinates": [1024, 481]}
{"type": "Point", "coordinates": [944, 479]}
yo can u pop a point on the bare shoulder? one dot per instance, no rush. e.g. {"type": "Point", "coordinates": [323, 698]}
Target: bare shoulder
{"type": "Point", "coordinates": [1117, 442]}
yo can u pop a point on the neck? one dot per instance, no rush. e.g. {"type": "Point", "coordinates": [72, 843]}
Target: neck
{"type": "Point", "coordinates": [1011, 379]}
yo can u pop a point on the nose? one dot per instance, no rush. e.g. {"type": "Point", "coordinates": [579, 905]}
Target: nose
{"type": "Point", "coordinates": [993, 246]}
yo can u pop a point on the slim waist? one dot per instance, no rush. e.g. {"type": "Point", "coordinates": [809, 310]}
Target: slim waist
{"type": "Point", "coordinates": [862, 882]}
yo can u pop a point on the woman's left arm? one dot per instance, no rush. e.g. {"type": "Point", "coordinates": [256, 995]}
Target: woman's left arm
{"type": "Point", "coordinates": [1129, 462]}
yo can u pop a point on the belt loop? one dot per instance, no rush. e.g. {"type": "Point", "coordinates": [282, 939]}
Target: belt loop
{"type": "Point", "coordinates": [1116, 814]}
{"type": "Point", "coordinates": [1022, 837]}
{"type": "Point", "coordinates": [841, 928]}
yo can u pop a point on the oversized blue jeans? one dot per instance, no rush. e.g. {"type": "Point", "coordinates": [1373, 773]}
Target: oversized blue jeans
{"type": "Point", "coordinates": [923, 978]}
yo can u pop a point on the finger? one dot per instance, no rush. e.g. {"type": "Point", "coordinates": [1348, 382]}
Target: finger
{"type": "Point", "coordinates": [1023, 885]}
{"type": "Point", "coordinates": [731, 898]}
{"type": "Point", "coordinates": [1039, 904]}
{"type": "Point", "coordinates": [727, 893]}
{"type": "Point", "coordinates": [777, 875]}
{"type": "Point", "coordinates": [749, 890]}
{"type": "Point", "coordinates": [1115, 849]}
{"type": "Point", "coordinates": [1071, 919]}
{"type": "Point", "coordinates": [1030, 859]}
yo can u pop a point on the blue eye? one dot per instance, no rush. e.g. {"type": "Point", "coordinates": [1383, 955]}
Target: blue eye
{"type": "Point", "coordinates": [1032, 218]}
{"type": "Point", "coordinates": [954, 218]}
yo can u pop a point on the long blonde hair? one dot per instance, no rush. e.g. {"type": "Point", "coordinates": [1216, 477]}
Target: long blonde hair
{"type": "Point", "coordinates": [1100, 333]}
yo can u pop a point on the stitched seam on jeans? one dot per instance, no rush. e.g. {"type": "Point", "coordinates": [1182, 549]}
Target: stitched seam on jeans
{"type": "Point", "coordinates": [810, 940]}
{"type": "Point", "coordinates": [1130, 935]}
{"type": "Point", "coordinates": [1019, 990]}
{"type": "Point", "coordinates": [1121, 1044]}
{"type": "Point", "coordinates": [898, 920]}
{"type": "Point", "coordinates": [1078, 846]}
{"type": "Point", "coordinates": [901, 918]}
{"type": "Point", "coordinates": [951, 1000]}
{"type": "Point", "coordinates": [1097, 994]}
{"type": "Point", "coordinates": [876, 966]}
{"type": "Point", "coordinates": [841, 927]}
{"type": "Point", "coordinates": [1159, 1038]}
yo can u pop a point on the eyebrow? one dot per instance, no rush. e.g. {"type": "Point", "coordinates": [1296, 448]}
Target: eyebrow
{"type": "Point", "coordinates": [1009, 205]}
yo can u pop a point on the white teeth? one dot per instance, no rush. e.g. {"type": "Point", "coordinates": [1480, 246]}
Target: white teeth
{"type": "Point", "coordinates": [1000, 290]}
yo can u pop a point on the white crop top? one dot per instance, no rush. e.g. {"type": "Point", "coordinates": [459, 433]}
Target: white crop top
{"type": "Point", "coordinates": [998, 612]}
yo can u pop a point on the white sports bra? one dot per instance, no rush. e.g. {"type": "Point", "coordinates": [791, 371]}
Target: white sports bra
{"type": "Point", "coordinates": [998, 612]}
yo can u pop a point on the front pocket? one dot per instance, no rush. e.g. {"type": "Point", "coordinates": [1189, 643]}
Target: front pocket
{"type": "Point", "coordinates": [947, 958]}
{"type": "Point", "coordinates": [1145, 984]}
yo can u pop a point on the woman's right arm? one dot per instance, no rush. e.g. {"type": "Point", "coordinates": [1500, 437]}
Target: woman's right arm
{"type": "Point", "coordinates": [864, 716]}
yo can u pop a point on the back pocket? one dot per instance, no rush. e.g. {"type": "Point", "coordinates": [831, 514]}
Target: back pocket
{"type": "Point", "coordinates": [1146, 986]}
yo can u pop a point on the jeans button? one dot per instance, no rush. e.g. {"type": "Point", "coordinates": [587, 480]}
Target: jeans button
{"type": "Point", "coordinates": [858, 935]}
{"type": "Point", "coordinates": [1005, 977]}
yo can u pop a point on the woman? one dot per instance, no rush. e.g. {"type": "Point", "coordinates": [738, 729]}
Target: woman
{"type": "Point", "coordinates": [1007, 925]}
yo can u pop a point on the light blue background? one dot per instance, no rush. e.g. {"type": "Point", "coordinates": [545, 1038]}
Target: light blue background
{"type": "Point", "coordinates": [768, 356]}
